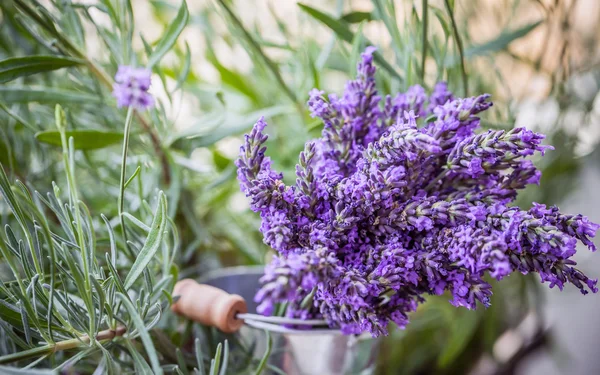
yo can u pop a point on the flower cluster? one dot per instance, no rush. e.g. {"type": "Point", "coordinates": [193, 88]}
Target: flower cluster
{"type": "Point", "coordinates": [131, 88]}
{"type": "Point", "coordinates": [388, 208]}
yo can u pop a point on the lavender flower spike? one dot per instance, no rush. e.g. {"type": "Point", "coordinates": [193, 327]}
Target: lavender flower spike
{"type": "Point", "coordinates": [131, 88]}
{"type": "Point", "coordinates": [388, 208]}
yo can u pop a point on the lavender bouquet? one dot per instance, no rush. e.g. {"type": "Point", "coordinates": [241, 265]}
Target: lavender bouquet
{"type": "Point", "coordinates": [402, 199]}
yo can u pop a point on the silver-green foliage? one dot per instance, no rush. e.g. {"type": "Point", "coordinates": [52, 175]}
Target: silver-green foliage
{"type": "Point", "coordinates": [65, 289]}
{"type": "Point", "coordinates": [78, 288]}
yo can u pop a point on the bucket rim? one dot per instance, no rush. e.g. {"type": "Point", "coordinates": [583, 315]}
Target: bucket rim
{"type": "Point", "coordinates": [231, 271]}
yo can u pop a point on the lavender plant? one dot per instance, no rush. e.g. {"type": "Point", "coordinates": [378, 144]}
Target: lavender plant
{"type": "Point", "coordinates": [84, 286]}
{"type": "Point", "coordinates": [388, 208]}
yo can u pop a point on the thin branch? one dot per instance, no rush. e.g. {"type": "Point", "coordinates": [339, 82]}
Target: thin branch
{"type": "Point", "coordinates": [121, 200]}
{"type": "Point", "coordinates": [108, 334]}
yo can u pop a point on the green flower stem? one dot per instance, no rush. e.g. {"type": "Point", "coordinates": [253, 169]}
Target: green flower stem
{"type": "Point", "coordinates": [107, 81]}
{"type": "Point", "coordinates": [158, 149]}
{"type": "Point", "coordinates": [128, 121]}
{"type": "Point", "coordinates": [459, 46]}
{"type": "Point", "coordinates": [44, 350]}
{"type": "Point", "coordinates": [18, 118]}
{"type": "Point", "coordinates": [424, 55]}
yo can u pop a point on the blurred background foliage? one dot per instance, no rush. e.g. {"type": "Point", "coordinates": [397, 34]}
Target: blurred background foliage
{"type": "Point", "coordinates": [219, 65]}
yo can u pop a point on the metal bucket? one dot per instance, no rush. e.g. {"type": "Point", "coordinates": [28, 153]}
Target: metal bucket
{"type": "Point", "coordinates": [297, 352]}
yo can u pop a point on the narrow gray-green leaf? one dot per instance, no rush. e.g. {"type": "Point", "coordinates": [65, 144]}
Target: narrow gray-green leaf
{"type": "Point", "coordinates": [185, 71]}
{"type": "Point", "coordinates": [115, 274]}
{"type": "Point", "coordinates": [85, 139]}
{"type": "Point", "coordinates": [133, 176]}
{"type": "Point", "coordinates": [137, 222]}
{"type": "Point", "coordinates": [17, 118]}
{"type": "Point", "coordinates": [215, 364]}
{"type": "Point", "coordinates": [223, 370]}
{"type": "Point", "coordinates": [144, 335]}
{"type": "Point", "coordinates": [342, 30]}
{"type": "Point", "coordinates": [140, 363]}
{"type": "Point", "coordinates": [152, 244]}
{"type": "Point", "coordinates": [111, 364]}
{"type": "Point", "coordinates": [265, 358]}
{"type": "Point", "coordinates": [181, 362]}
{"type": "Point", "coordinates": [199, 357]}
{"type": "Point", "coordinates": [357, 17]}
{"type": "Point", "coordinates": [16, 67]}
{"type": "Point", "coordinates": [10, 198]}
{"type": "Point", "coordinates": [13, 336]}
{"type": "Point", "coordinates": [111, 236]}
{"type": "Point", "coordinates": [45, 95]}
{"type": "Point", "coordinates": [340, 27]}
{"type": "Point", "coordinates": [255, 45]}
{"type": "Point", "coordinates": [71, 362]}
{"type": "Point", "coordinates": [26, 328]}
{"type": "Point", "coordinates": [170, 36]}
{"type": "Point", "coordinates": [384, 13]}
{"type": "Point", "coordinates": [9, 370]}
{"type": "Point", "coordinates": [101, 369]}
{"type": "Point", "coordinates": [502, 41]}
{"type": "Point", "coordinates": [357, 48]}
{"type": "Point", "coordinates": [206, 135]}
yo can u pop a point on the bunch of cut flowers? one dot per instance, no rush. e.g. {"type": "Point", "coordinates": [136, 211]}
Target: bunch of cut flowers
{"type": "Point", "coordinates": [402, 197]}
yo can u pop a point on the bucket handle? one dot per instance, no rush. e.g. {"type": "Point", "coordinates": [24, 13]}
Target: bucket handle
{"type": "Point", "coordinates": [209, 305]}
{"type": "Point", "coordinates": [215, 307]}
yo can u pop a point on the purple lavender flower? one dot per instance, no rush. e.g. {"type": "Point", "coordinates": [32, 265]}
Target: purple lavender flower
{"type": "Point", "coordinates": [387, 209]}
{"type": "Point", "coordinates": [293, 278]}
{"type": "Point", "coordinates": [413, 100]}
{"type": "Point", "coordinates": [440, 96]}
{"type": "Point", "coordinates": [131, 88]}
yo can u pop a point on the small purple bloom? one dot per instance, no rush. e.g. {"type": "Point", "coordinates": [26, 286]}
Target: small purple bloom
{"type": "Point", "coordinates": [131, 88]}
{"type": "Point", "coordinates": [440, 95]}
{"type": "Point", "coordinates": [474, 168]}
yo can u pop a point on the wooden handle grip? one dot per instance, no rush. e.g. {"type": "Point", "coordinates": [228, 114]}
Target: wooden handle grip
{"type": "Point", "coordinates": [209, 305]}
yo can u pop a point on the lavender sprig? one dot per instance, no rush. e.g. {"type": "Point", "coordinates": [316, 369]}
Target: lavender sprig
{"type": "Point", "coordinates": [387, 209]}
{"type": "Point", "coordinates": [131, 88]}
